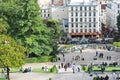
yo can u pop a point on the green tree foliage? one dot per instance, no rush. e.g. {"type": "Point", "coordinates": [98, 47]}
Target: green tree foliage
{"type": "Point", "coordinates": [11, 54]}
{"type": "Point", "coordinates": [26, 25]}
{"type": "Point", "coordinates": [55, 33]}
{"type": "Point", "coordinates": [3, 26]}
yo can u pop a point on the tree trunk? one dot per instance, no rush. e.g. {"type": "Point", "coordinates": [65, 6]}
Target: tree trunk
{"type": "Point", "coordinates": [8, 71]}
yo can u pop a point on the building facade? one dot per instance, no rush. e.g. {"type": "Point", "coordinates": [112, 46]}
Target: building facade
{"type": "Point", "coordinates": [113, 10]}
{"type": "Point", "coordinates": [84, 19]}
{"type": "Point", "coordinates": [78, 19]}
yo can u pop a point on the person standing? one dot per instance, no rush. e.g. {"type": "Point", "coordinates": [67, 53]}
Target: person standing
{"type": "Point", "coordinates": [65, 67]}
{"type": "Point", "coordinates": [96, 53]}
{"type": "Point", "coordinates": [114, 76]}
{"type": "Point", "coordinates": [106, 77]}
{"type": "Point", "coordinates": [73, 68]}
{"type": "Point", "coordinates": [3, 73]}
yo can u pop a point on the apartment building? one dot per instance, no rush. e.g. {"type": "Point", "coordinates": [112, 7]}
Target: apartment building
{"type": "Point", "coordinates": [84, 19]}
{"type": "Point", "coordinates": [113, 10]}
{"type": "Point", "coordinates": [77, 18]}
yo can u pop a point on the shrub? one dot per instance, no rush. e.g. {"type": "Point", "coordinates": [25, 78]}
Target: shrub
{"type": "Point", "coordinates": [53, 69]}
{"type": "Point", "coordinates": [117, 44]}
{"type": "Point", "coordinates": [50, 78]}
{"type": "Point", "coordinates": [83, 68]}
{"type": "Point", "coordinates": [94, 78]}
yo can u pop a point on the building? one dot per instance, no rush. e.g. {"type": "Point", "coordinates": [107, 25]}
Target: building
{"type": "Point", "coordinates": [113, 10]}
{"type": "Point", "coordinates": [77, 18]}
{"type": "Point", "coordinates": [84, 19]}
{"type": "Point", "coordinates": [46, 12]}
{"type": "Point", "coordinates": [44, 2]}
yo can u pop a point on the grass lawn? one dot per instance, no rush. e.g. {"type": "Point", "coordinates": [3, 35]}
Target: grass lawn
{"type": "Point", "coordinates": [107, 69]}
{"type": "Point", "coordinates": [2, 79]}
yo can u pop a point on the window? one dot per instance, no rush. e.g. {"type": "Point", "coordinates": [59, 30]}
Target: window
{"type": "Point", "coordinates": [94, 25]}
{"type": "Point", "coordinates": [80, 8]}
{"type": "Point", "coordinates": [67, 30]}
{"type": "Point", "coordinates": [94, 19]}
{"type": "Point", "coordinates": [76, 14]}
{"type": "Point", "coordinates": [94, 8]}
{"type": "Point", "coordinates": [76, 19]}
{"type": "Point", "coordinates": [48, 15]}
{"type": "Point", "coordinates": [89, 13]}
{"type": "Point", "coordinates": [81, 26]}
{"type": "Point", "coordinates": [80, 14]}
{"type": "Point", "coordinates": [80, 19]}
{"type": "Point", "coordinates": [89, 19]}
{"type": "Point", "coordinates": [85, 8]}
{"type": "Point", "coordinates": [44, 15]}
{"type": "Point", "coordinates": [72, 30]}
{"type": "Point", "coordinates": [89, 30]}
{"type": "Point", "coordinates": [85, 14]}
{"type": "Point", "coordinates": [94, 30]}
{"type": "Point", "coordinates": [76, 25]}
{"type": "Point", "coordinates": [89, 25]}
{"type": "Point", "coordinates": [44, 11]}
{"type": "Point", "coordinates": [72, 25]}
{"type": "Point", "coordinates": [66, 25]}
{"type": "Point", "coordinates": [89, 8]}
{"type": "Point", "coordinates": [76, 30]}
{"type": "Point", "coordinates": [118, 11]}
{"type": "Point", "coordinates": [118, 6]}
{"type": "Point", "coordinates": [81, 30]}
{"type": "Point", "coordinates": [71, 8]}
{"type": "Point", "coordinates": [72, 20]}
{"type": "Point", "coordinates": [94, 14]}
{"type": "Point", "coordinates": [71, 13]}
{"type": "Point", "coordinates": [85, 20]}
{"type": "Point", "coordinates": [76, 8]}
{"type": "Point", "coordinates": [85, 30]}
{"type": "Point", "coordinates": [85, 26]}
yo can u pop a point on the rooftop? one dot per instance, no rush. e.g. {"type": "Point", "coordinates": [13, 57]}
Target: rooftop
{"type": "Point", "coordinates": [84, 3]}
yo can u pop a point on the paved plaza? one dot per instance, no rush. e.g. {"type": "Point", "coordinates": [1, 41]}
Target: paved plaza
{"type": "Point", "coordinates": [88, 55]}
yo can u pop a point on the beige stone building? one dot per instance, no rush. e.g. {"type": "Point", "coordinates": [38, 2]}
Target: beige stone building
{"type": "Point", "coordinates": [44, 2]}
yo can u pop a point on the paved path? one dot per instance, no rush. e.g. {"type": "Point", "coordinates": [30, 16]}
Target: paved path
{"type": "Point", "coordinates": [68, 75]}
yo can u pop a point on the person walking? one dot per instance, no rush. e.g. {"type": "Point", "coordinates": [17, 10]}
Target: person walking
{"type": "Point", "coordinates": [65, 67]}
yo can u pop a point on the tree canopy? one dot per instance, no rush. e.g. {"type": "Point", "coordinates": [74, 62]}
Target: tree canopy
{"type": "Point", "coordinates": [27, 28]}
{"type": "Point", "coordinates": [11, 54]}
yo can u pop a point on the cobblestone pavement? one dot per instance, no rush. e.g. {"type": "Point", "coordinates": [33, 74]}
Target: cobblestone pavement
{"type": "Point", "coordinates": [88, 54]}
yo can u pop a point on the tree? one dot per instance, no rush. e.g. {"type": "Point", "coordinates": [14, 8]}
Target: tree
{"type": "Point", "coordinates": [26, 25]}
{"type": "Point", "coordinates": [11, 54]}
{"type": "Point", "coordinates": [55, 34]}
